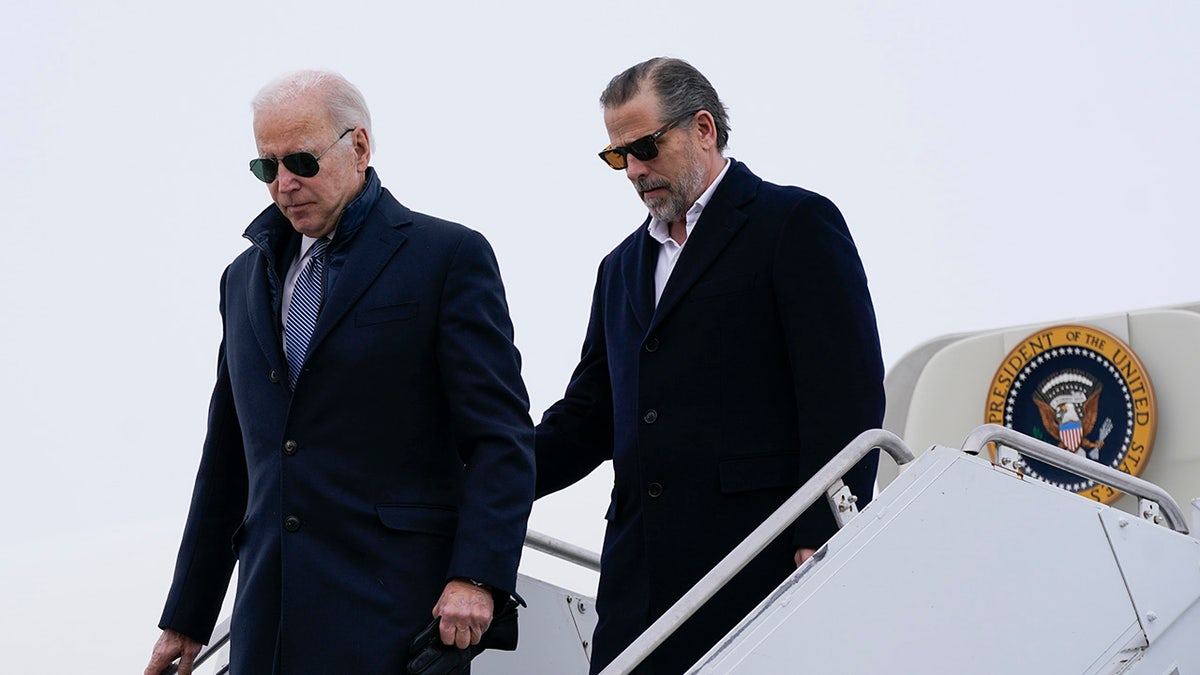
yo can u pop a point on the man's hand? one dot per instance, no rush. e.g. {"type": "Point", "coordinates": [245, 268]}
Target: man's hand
{"type": "Point", "coordinates": [466, 612]}
{"type": "Point", "coordinates": [171, 646]}
{"type": "Point", "coordinates": [803, 554]}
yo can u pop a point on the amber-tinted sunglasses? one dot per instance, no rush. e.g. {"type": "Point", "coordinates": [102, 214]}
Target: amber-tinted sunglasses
{"type": "Point", "coordinates": [644, 148]}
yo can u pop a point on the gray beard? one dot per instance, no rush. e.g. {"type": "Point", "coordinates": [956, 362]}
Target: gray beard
{"type": "Point", "coordinates": [680, 196]}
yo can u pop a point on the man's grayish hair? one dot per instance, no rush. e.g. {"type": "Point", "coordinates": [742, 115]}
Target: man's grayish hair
{"type": "Point", "coordinates": [345, 102]}
{"type": "Point", "coordinates": [681, 89]}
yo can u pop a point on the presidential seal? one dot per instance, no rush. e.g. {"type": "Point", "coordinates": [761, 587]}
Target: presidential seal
{"type": "Point", "coordinates": [1084, 390]}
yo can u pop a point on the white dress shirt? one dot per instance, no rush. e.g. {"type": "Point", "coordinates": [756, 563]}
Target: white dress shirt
{"type": "Point", "coordinates": [669, 249]}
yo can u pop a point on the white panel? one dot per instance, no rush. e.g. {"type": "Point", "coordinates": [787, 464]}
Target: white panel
{"type": "Point", "coordinates": [947, 397]}
{"type": "Point", "coordinates": [553, 630]}
{"type": "Point", "coordinates": [1116, 324]}
{"type": "Point", "coordinates": [963, 569]}
{"type": "Point", "coordinates": [1168, 344]}
{"type": "Point", "coordinates": [1160, 566]}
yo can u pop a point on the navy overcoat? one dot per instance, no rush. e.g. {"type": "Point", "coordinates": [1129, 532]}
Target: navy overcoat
{"type": "Point", "coordinates": [404, 457]}
{"type": "Point", "coordinates": [760, 362]}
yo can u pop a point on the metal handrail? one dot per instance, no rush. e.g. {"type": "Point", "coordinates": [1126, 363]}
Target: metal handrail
{"type": "Point", "coordinates": [1081, 466]}
{"type": "Point", "coordinates": [563, 550]}
{"type": "Point", "coordinates": [753, 544]}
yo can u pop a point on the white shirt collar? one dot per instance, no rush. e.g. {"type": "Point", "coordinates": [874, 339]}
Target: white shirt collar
{"type": "Point", "coordinates": [659, 230]}
{"type": "Point", "coordinates": [306, 243]}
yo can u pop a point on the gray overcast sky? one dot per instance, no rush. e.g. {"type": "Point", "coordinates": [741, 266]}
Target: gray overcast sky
{"type": "Point", "coordinates": [998, 164]}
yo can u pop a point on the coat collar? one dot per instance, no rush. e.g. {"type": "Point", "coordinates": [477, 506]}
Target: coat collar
{"type": "Point", "coordinates": [720, 221]}
{"type": "Point", "coordinates": [367, 237]}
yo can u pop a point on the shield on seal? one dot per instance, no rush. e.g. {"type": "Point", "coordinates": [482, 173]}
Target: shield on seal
{"type": "Point", "coordinates": [1071, 433]}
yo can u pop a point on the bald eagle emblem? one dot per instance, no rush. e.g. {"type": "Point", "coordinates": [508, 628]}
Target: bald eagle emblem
{"type": "Point", "coordinates": [1069, 403]}
{"type": "Point", "coordinates": [1083, 389]}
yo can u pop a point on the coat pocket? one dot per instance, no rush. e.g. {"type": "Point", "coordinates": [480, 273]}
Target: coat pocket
{"type": "Point", "coordinates": [760, 472]}
{"type": "Point", "coordinates": [439, 520]}
{"type": "Point", "coordinates": [373, 315]}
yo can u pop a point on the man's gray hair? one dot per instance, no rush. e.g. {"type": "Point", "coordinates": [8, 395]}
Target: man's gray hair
{"type": "Point", "coordinates": [681, 89]}
{"type": "Point", "coordinates": [344, 101]}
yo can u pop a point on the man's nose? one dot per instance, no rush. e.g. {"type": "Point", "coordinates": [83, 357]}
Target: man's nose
{"type": "Point", "coordinates": [635, 168]}
{"type": "Point", "coordinates": [288, 181]}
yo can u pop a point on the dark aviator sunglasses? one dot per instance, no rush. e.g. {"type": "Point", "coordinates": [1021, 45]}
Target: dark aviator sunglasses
{"type": "Point", "coordinates": [303, 164]}
{"type": "Point", "coordinates": [644, 148]}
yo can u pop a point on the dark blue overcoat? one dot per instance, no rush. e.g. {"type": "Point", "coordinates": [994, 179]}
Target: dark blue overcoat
{"type": "Point", "coordinates": [760, 362]}
{"type": "Point", "coordinates": [404, 457]}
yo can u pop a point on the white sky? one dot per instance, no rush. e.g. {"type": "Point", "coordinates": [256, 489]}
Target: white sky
{"type": "Point", "coordinates": [998, 164]}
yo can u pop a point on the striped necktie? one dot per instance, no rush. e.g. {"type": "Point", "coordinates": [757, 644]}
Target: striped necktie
{"type": "Point", "coordinates": [302, 313]}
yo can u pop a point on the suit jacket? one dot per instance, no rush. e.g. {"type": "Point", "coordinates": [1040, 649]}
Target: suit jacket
{"type": "Point", "coordinates": [760, 362]}
{"type": "Point", "coordinates": [403, 458]}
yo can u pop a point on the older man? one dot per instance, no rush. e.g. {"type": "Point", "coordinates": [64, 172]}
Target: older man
{"type": "Point", "coordinates": [369, 459]}
{"type": "Point", "coordinates": [731, 352]}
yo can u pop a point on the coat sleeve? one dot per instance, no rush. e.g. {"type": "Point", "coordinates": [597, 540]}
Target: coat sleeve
{"type": "Point", "coordinates": [481, 377]}
{"type": "Point", "coordinates": [833, 348]}
{"type": "Point", "coordinates": [576, 434]}
{"type": "Point", "coordinates": [206, 559]}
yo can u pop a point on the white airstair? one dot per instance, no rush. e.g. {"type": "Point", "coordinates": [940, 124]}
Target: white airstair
{"type": "Point", "coordinates": [962, 566]}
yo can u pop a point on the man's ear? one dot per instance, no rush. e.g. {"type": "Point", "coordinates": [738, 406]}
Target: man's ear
{"type": "Point", "coordinates": [361, 142]}
{"type": "Point", "coordinates": [706, 129]}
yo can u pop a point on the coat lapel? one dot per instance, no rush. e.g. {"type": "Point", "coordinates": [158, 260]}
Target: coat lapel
{"type": "Point", "coordinates": [264, 314]}
{"type": "Point", "coordinates": [368, 254]}
{"type": "Point", "coordinates": [720, 221]}
{"type": "Point", "coordinates": [275, 240]}
{"type": "Point", "coordinates": [637, 270]}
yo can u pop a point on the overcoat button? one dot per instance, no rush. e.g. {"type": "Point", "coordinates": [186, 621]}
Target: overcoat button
{"type": "Point", "coordinates": [291, 523]}
{"type": "Point", "coordinates": [274, 377]}
{"type": "Point", "coordinates": [654, 490]}
{"type": "Point", "coordinates": [289, 448]}
{"type": "Point", "coordinates": [651, 416]}
{"type": "Point", "coordinates": [652, 345]}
